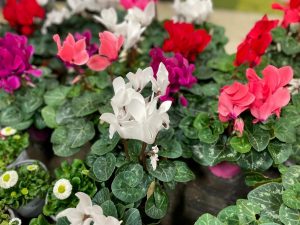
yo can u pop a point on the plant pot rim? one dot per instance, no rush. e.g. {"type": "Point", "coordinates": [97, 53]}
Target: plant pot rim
{"type": "Point", "coordinates": [28, 162]}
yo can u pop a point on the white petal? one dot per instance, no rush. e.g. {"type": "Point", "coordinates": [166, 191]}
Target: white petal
{"type": "Point", "coordinates": [84, 201]}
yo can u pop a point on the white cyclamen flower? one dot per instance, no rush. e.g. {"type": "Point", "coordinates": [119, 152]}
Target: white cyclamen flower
{"type": "Point", "coordinates": [62, 189]}
{"type": "Point", "coordinates": [154, 157]}
{"type": "Point", "coordinates": [134, 117]}
{"type": "Point", "coordinates": [132, 34]}
{"type": "Point", "coordinates": [8, 131]}
{"type": "Point", "coordinates": [109, 18]}
{"type": "Point", "coordinates": [161, 83]}
{"type": "Point", "coordinates": [15, 221]}
{"type": "Point", "coordinates": [9, 179]}
{"type": "Point", "coordinates": [144, 17]}
{"type": "Point", "coordinates": [86, 213]}
{"type": "Point", "coordinates": [192, 10]}
{"type": "Point", "coordinates": [140, 79]}
{"type": "Point", "coordinates": [55, 17]}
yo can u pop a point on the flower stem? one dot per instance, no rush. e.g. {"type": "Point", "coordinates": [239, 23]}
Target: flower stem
{"type": "Point", "coordinates": [143, 155]}
{"type": "Point", "coordinates": [125, 144]}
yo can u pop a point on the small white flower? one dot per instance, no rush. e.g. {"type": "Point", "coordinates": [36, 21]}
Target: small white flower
{"type": "Point", "coordinates": [62, 189]}
{"type": "Point", "coordinates": [160, 84]}
{"type": "Point", "coordinates": [32, 167]}
{"type": "Point", "coordinates": [9, 179]}
{"type": "Point", "coordinates": [15, 221]}
{"type": "Point", "coordinates": [86, 213]}
{"type": "Point", "coordinates": [8, 131]}
{"type": "Point", "coordinates": [192, 10]}
{"type": "Point", "coordinates": [154, 157]}
{"type": "Point", "coordinates": [132, 34]}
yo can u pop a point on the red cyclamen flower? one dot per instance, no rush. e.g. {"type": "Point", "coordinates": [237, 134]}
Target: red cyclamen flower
{"type": "Point", "coordinates": [21, 14]}
{"type": "Point", "coordinates": [270, 92]}
{"type": "Point", "coordinates": [291, 12]}
{"type": "Point", "coordinates": [256, 43]}
{"type": "Point", "coordinates": [185, 39]}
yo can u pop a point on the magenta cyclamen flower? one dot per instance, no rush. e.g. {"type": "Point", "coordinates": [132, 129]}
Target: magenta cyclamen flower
{"type": "Point", "coordinates": [92, 48]}
{"type": "Point", "coordinates": [15, 55]}
{"type": "Point", "coordinates": [180, 73]}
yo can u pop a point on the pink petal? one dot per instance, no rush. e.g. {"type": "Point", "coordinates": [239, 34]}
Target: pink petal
{"type": "Point", "coordinates": [98, 63]}
{"type": "Point", "coordinates": [13, 82]}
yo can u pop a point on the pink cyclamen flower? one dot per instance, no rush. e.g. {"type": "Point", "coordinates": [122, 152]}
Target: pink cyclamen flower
{"type": "Point", "coordinates": [270, 92]}
{"type": "Point", "coordinates": [71, 51]}
{"type": "Point", "coordinates": [225, 170]}
{"type": "Point", "coordinates": [180, 73]}
{"type": "Point", "coordinates": [239, 126]}
{"type": "Point", "coordinates": [291, 12]}
{"type": "Point", "coordinates": [15, 56]}
{"type": "Point", "coordinates": [108, 51]}
{"type": "Point", "coordinates": [234, 100]}
{"type": "Point", "coordinates": [127, 4]}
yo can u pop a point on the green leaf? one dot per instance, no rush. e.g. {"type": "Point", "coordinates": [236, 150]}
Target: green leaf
{"type": "Point", "coordinates": [165, 170]}
{"type": "Point", "coordinates": [284, 131]}
{"type": "Point", "coordinates": [157, 204]}
{"type": "Point", "coordinates": [212, 154]}
{"type": "Point", "coordinates": [186, 125]}
{"type": "Point", "coordinates": [65, 114]}
{"type": "Point", "coordinates": [132, 217]}
{"type": "Point", "coordinates": [31, 102]}
{"type": "Point", "coordinates": [291, 176]}
{"type": "Point", "coordinates": [171, 150]}
{"type": "Point", "coordinates": [79, 133]}
{"type": "Point", "coordinates": [222, 63]}
{"type": "Point", "coordinates": [240, 144]}
{"type": "Point", "coordinates": [105, 144]}
{"type": "Point", "coordinates": [229, 215]}
{"type": "Point", "coordinates": [290, 46]}
{"type": "Point", "coordinates": [109, 209]}
{"type": "Point", "coordinates": [64, 150]}
{"type": "Point", "coordinates": [104, 167]}
{"type": "Point", "coordinates": [10, 116]}
{"type": "Point", "coordinates": [280, 152]}
{"type": "Point", "coordinates": [63, 221]}
{"type": "Point", "coordinates": [256, 179]}
{"type": "Point", "coordinates": [183, 172]}
{"type": "Point", "coordinates": [247, 211]}
{"type": "Point", "coordinates": [268, 197]}
{"type": "Point", "coordinates": [57, 96]}
{"type": "Point", "coordinates": [291, 196]}
{"type": "Point", "coordinates": [207, 219]}
{"type": "Point", "coordinates": [289, 216]}
{"type": "Point", "coordinates": [49, 115]}
{"type": "Point", "coordinates": [23, 125]}
{"type": "Point", "coordinates": [129, 185]}
{"type": "Point", "coordinates": [86, 104]}
{"type": "Point", "coordinates": [255, 161]}
{"type": "Point", "coordinates": [102, 196]}
{"type": "Point", "coordinates": [259, 138]}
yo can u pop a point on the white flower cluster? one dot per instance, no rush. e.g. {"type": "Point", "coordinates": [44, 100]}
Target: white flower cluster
{"type": "Point", "coordinates": [192, 11]}
{"type": "Point", "coordinates": [57, 16]}
{"type": "Point", "coordinates": [86, 213]}
{"type": "Point", "coordinates": [136, 117]}
{"type": "Point", "coordinates": [132, 27]}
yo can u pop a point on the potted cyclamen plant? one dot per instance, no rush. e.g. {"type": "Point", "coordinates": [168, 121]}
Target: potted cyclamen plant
{"type": "Point", "coordinates": [69, 179]}
{"type": "Point", "coordinates": [23, 187]}
{"type": "Point", "coordinates": [14, 144]}
{"type": "Point", "coordinates": [270, 203]}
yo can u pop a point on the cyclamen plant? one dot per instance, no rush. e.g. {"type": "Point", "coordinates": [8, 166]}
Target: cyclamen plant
{"type": "Point", "coordinates": [270, 203]}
